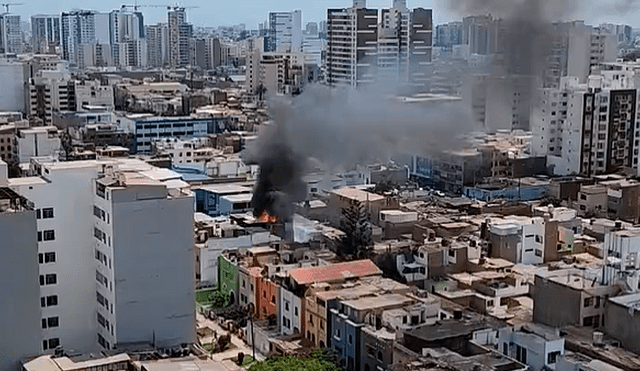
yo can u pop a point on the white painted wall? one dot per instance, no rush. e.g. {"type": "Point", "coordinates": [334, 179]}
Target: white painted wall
{"type": "Point", "coordinates": [291, 301]}
{"type": "Point", "coordinates": [20, 291]}
{"type": "Point", "coordinates": [69, 191]}
{"type": "Point", "coordinates": [154, 278]}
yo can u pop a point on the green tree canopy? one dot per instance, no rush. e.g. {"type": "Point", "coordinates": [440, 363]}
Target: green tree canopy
{"type": "Point", "coordinates": [318, 362]}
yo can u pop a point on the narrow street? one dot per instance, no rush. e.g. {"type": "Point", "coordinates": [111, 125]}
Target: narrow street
{"type": "Point", "coordinates": [227, 358]}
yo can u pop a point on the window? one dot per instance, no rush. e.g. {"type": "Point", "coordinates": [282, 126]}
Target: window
{"type": "Point", "coordinates": [552, 357]}
{"type": "Point", "coordinates": [273, 299]}
{"type": "Point", "coordinates": [48, 235]}
{"type": "Point", "coordinates": [54, 343]}
{"type": "Point", "coordinates": [380, 357]}
{"type": "Point", "coordinates": [38, 214]}
{"type": "Point", "coordinates": [588, 302]}
{"type": "Point", "coordinates": [538, 239]}
{"type": "Point", "coordinates": [350, 339]}
{"type": "Point", "coordinates": [243, 284]}
{"type": "Point", "coordinates": [52, 322]}
{"type": "Point", "coordinates": [286, 306]}
{"type": "Point", "coordinates": [296, 311]}
{"type": "Point", "coordinates": [311, 319]}
{"type": "Point", "coordinates": [49, 279]}
{"type": "Point", "coordinates": [321, 324]}
{"type": "Point", "coordinates": [52, 300]}
{"type": "Point", "coordinates": [48, 257]}
{"type": "Point", "coordinates": [264, 294]}
{"type": "Point", "coordinates": [337, 334]}
{"type": "Point", "coordinates": [47, 213]}
{"type": "Point", "coordinates": [43, 302]}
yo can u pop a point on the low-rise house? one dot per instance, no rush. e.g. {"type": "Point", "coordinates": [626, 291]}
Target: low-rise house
{"type": "Point", "coordinates": [570, 297]}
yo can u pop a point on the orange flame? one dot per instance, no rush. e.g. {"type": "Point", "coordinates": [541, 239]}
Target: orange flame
{"type": "Point", "coordinates": [266, 218]}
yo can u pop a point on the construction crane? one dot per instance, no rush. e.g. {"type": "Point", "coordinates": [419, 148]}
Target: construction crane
{"type": "Point", "coordinates": [172, 7]}
{"type": "Point", "coordinates": [7, 5]}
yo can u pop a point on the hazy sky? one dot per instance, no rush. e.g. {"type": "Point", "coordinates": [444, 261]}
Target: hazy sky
{"type": "Point", "coordinates": [251, 12]}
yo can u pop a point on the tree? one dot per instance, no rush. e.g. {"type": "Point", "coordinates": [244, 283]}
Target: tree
{"type": "Point", "coordinates": [356, 225]}
{"type": "Point", "coordinates": [318, 362]}
{"type": "Point", "coordinates": [218, 299]}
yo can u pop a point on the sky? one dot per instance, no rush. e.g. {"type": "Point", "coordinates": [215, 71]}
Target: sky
{"type": "Point", "coordinates": [251, 12]}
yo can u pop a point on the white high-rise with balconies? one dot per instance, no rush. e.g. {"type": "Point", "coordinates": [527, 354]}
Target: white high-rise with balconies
{"type": "Point", "coordinates": [285, 32]}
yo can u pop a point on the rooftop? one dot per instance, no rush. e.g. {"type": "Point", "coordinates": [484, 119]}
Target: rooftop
{"type": "Point", "coordinates": [335, 272]}
{"type": "Point", "coordinates": [383, 301]}
{"type": "Point", "coordinates": [631, 301]}
{"type": "Point", "coordinates": [357, 195]}
{"type": "Point", "coordinates": [49, 363]}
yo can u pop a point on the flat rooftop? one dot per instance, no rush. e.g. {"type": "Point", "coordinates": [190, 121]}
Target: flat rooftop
{"type": "Point", "coordinates": [357, 195]}
{"type": "Point", "coordinates": [629, 301]}
{"type": "Point", "coordinates": [373, 302]}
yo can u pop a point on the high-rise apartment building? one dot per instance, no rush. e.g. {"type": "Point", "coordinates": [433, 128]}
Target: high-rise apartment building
{"type": "Point", "coordinates": [127, 38]}
{"type": "Point", "coordinates": [448, 35]}
{"type": "Point", "coordinates": [45, 33]}
{"type": "Point", "coordinates": [157, 45]}
{"type": "Point", "coordinates": [115, 254]}
{"type": "Point", "coordinates": [10, 34]}
{"type": "Point", "coordinates": [360, 51]}
{"type": "Point", "coordinates": [180, 33]}
{"type": "Point", "coordinates": [589, 128]}
{"type": "Point", "coordinates": [20, 305]}
{"type": "Point", "coordinates": [78, 28]}
{"type": "Point", "coordinates": [352, 41]}
{"type": "Point", "coordinates": [285, 32]}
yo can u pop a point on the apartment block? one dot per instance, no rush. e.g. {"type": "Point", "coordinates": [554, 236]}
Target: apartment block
{"type": "Point", "coordinates": [45, 33]}
{"type": "Point", "coordinates": [108, 301]}
{"type": "Point", "coordinates": [285, 32]}
{"type": "Point", "coordinates": [20, 305]}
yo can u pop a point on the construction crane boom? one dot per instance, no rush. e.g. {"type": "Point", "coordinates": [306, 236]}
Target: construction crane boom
{"type": "Point", "coordinates": [7, 5]}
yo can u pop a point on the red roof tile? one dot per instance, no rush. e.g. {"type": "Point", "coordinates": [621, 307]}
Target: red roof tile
{"type": "Point", "coordinates": [335, 272]}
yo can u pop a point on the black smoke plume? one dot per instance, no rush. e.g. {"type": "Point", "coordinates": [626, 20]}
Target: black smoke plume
{"type": "Point", "coordinates": [339, 129]}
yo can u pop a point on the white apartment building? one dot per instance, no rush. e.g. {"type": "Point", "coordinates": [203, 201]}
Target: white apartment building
{"type": "Point", "coordinates": [590, 128]}
{"type": "Point", "coordinates": [285, 32]}
{"type": "Point", "coordinates": [179, 34]}
{"type": "Point", "coordinates": [126, 36]}
{"type": "Point", "coordinates": [49, 91]}
{"type": "Point", "coordinates": [20, 320]}
{"type": "Point", "coordinates": [10, 34]}
{"type": "Point", "coordinates": [352, 35]}
{"type": "Point", "coordinates": [60, 192]}
{"type": "Point", "coordinates": [12, 75]}
{"type": "Point", "coordinates": [45, 33]}
{"type": "Point", "coordinates": [519, 240]}
{"type": "Point", "coordinates": [576, 50]}
{"type": "Point", "coordinates": [143, 244]}
{"type": "Point", "coordinates": [359, 49]}
{"type": "Point", "coordinates": [116, 259]}
{"type": "Point", "coordinates": [36, 142]}
{"type": "Point", "coordinates": [90, 94]}
{"type": "Point", "coordinates": [157, 36]}
{"type": "Point", "coordinates": [187, 151]}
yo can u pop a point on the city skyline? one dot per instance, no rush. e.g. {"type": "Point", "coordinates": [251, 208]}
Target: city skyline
{"type": "Point", "coordinates": [253, 12]}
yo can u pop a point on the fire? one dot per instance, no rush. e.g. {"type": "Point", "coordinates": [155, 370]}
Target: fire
{"type": "Point", "coordinates": [266, 218]}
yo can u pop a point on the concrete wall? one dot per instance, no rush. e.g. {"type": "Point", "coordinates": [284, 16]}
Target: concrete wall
{"type": "Point", "coordinates": [623, 325]}
{"type": "Point", "coordinates": [555, 305]}
{"type": "Point", "coordinates": [153, 268]}
{"type": "Point", "coordinates": [70, 193]}
{"type": "Point", "coordinates": [20, 304]}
